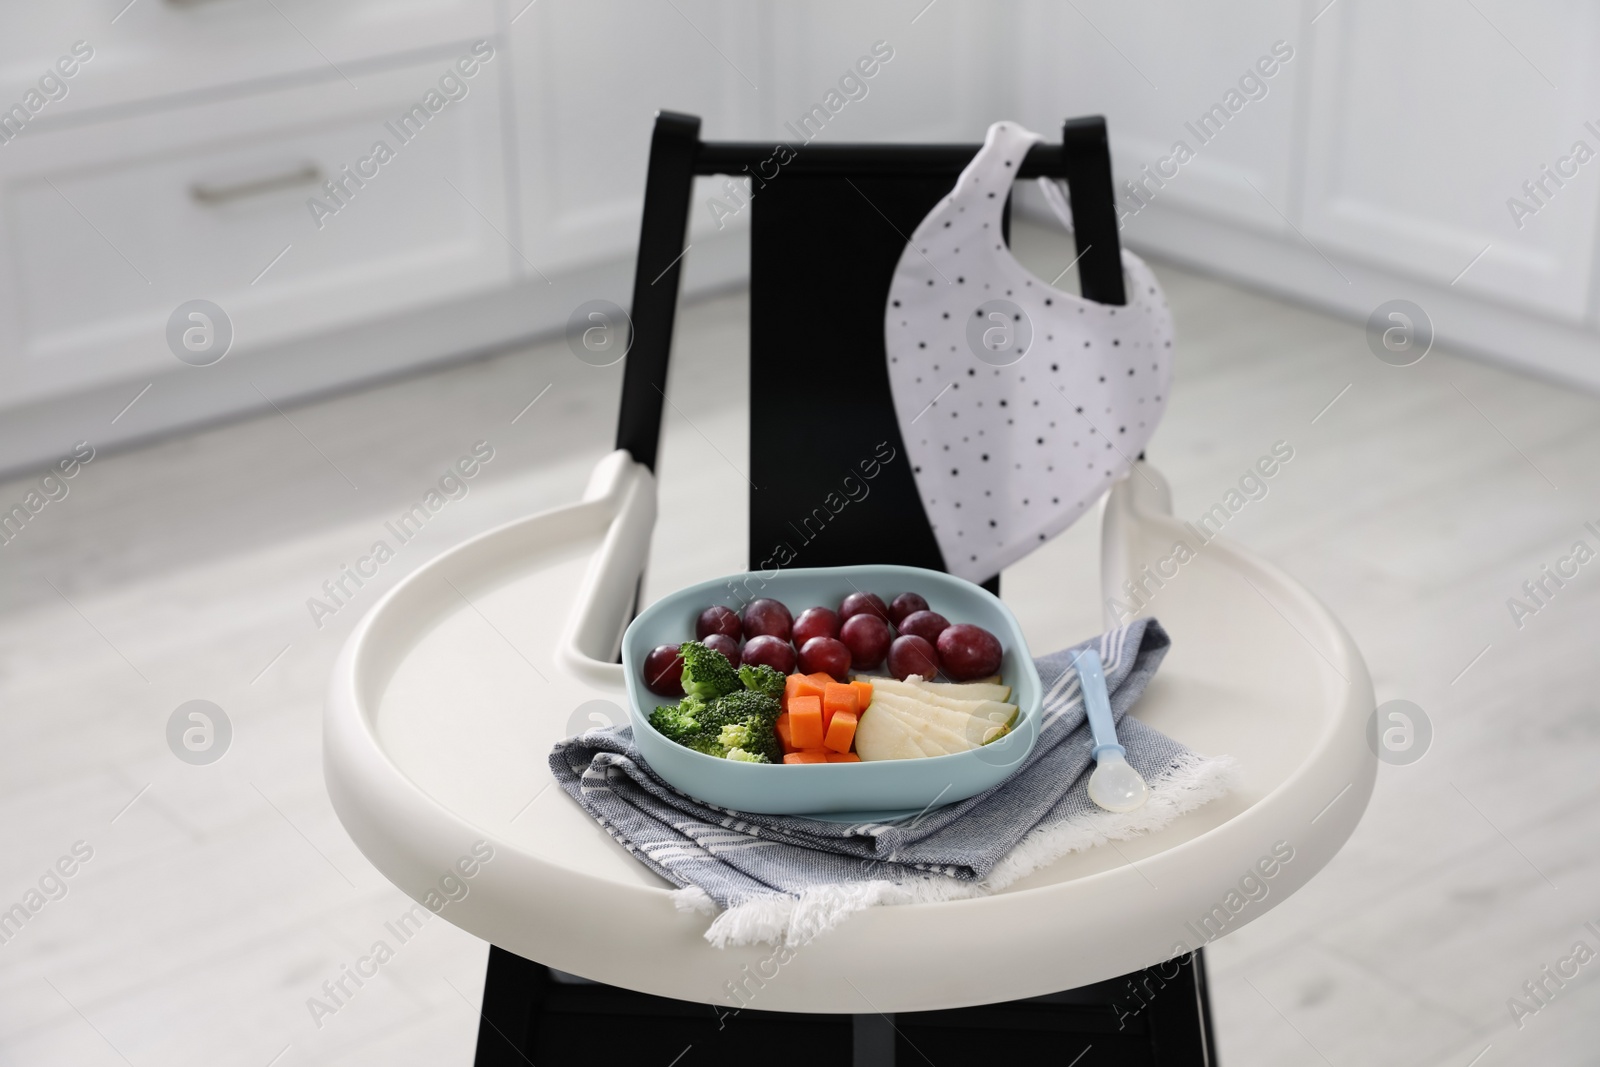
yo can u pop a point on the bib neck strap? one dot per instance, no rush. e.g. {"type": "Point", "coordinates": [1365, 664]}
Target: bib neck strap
{"type": "Point", "coordinates": [986, 182]}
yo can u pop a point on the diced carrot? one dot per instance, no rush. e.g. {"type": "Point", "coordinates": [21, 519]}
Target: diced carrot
{"type": "Point", "coordinates": [782, 726]}
{"type": "Point", "coordinates": [805, 722]}
{"type": "Point", "coordinates": [822, 678]}
{"type": "Point", "coordinates": [843, 695]}
{"type": "Point", "coordinates": [813, 755]}
{"type": "Point", "coordinates": [842, 731]}
{"type": "Point", "coordinates": [836, 697]}
{"type": "Point", "coordinates": [799, 685]}
{"type": "Point", "coordinates": [864, 690]}
{"type": "Point", "coordinates": [843, 757]}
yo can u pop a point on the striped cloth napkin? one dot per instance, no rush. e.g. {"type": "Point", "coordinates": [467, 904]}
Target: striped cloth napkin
{"type": "Point", "coordinates": [785, 879]}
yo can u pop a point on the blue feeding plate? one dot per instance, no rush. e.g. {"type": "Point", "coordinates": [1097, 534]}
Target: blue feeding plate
{"type": "Point", "coordinates": [833, 791]}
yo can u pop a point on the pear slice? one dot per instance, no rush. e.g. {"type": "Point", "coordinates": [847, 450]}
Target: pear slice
{"type": "Point", "coordinates": [965, 690]}
{"type": "Point", "coordinates": [975, 729]}
{"type": "Point", "coordinates": [994, 711]}
{"type": "Point", "coordinates": [922, 744]}
{"type": "Point", "coordinates": [952, 730]}
{"type": "Point", "coordinates": [915, 686]}
{"type": "Point", "coordinates": [915, 738]}
{"type": "Point", "coordinates": [880, 736]}
{"type": "Point", "coordinates": [927, 730]}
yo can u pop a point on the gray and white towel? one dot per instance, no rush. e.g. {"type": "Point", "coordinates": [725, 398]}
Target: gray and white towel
{"type": "Point", "coordinates": [786, 879]}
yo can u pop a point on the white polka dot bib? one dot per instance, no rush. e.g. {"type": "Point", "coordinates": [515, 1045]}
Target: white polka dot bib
{"type": "Point", "coordinates": [1019, 404]}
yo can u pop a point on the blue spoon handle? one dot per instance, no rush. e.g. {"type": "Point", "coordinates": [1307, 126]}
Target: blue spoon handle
{"type": "Point", "coordinates": [1093, 679]}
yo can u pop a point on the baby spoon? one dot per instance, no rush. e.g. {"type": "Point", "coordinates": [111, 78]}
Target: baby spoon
{"type": "Point", "coordinates": [1114, 785]}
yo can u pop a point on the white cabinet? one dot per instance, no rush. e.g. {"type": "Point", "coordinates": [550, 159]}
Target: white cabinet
{"type": "Point", "coordinates": [1384, 159]}
{"type": "Point", "coordinates": [155, 49]}
{"type": "Point", "coordinates": [589, 81]}
{"type": "Point", "coordinates": [935, 79]}
{"type": "Point", "coordinates": [108, 227]}
{"type": "Point", "coordinates": [1222, 82]}
{"type": "Point", "coordinates": [1427, 118]}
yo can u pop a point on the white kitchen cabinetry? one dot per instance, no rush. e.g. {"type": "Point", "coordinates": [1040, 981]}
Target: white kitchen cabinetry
{"type": "Point", "coordinates": [1343, 154]}
{"type": "Point", "coordinates": [944, 80]}
{"type": "Point", "coordinates": [110, 226]}
{"type": "Point", "coordinates": [1158, 90]}
{"type": "Point", "coordinates": [1379, 163]}
{"type": "Point", "coordinates": [1412, 153]}
{"type": "Point", "coordinates": [150, 50]}
{"type": "Point", "coordinates": [589, 79]}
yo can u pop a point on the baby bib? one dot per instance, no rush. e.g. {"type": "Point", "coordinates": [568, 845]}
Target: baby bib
{"type": "Point", "coordinates": [1019, 404]}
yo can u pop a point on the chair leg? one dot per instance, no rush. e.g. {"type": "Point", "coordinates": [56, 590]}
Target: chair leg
{"type": "Point", "coordinates": [1158, 1017]}
{"type": "Point", "coordinates": [1209, 1034]}
{"type": "Point", "coordinates": [872, 1041]}
{"type": "Point", "coordinates": [1178, 1014]}
{"type": "Point", "coordinates": [512, 993]}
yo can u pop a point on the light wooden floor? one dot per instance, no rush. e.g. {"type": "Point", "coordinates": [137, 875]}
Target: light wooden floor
{"type": "Point", "coordinates": [219, 898]}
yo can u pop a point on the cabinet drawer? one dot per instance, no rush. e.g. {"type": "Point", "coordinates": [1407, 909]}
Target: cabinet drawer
{"type": "Point", "coordinates": [107, 228]}
{"type": "Point", "coordinates": [164, 48]}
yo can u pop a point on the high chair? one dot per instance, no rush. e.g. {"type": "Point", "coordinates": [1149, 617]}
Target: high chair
{"type": "Point", "coordinates": [449, 695]}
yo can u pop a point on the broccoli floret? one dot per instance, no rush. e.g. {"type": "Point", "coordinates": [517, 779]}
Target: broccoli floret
{"type": "Point", "coordinates": [737, 707]}
{"type": "Point", "coordinates": [754, 734]}
{"type": "Point", "coordinates": [738, 725]}
{"type": "Point", "coordinates": [706, 742]}
{"type": "Point", "coordinates": [762, 679]}
{"type": "Point", "coordinates": [736, 735]}
{"type": "Point", "coordinates": [706, 672]}
{"type": "Point", "coordinates": [676, 721]}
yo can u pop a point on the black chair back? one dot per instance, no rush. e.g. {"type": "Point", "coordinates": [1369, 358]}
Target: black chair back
{"type": "Point", "coordinates": [832, 483]}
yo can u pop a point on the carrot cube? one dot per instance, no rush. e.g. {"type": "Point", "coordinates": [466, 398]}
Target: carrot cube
{"type": "Point", "coordinates": [843, 757]}
{"type": "Point", "coordinates": [864, 691]}
{"type": "Point", "coordinates": [782, 726]}
{"type": "Point", "coordinates": [805, 722]}
{"type": "Point", "coordinates": [799, 685]}
{"type": "Point", "coordinates": [842, 731]}
{"type": "Point", "coordinates": [837, 697]}
{"type": "Point", "coordinates": [813, 755]}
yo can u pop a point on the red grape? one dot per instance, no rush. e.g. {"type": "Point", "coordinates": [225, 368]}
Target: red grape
{"type": "Point", "coordinates": [827, 655]}
{"type": "Point", "coordinates": [815, 622]}
{"type": "Point", "coordinates": [856, 603]}
{"type": "Point", "coordinates": [724, 644]}
{"type": "Point", "coordinates": [775, 652]}
{"type": "Point", "coordinates": [927, 625]}
{"type": "Point", "coordinates": [967, 652]}
{"type": "Point", "coordinates": [766, 616]}
{"type": "Point", "coordinates": [910, 655]}
{"type": "Point", "coordinates": [717, 619]}
{"type": "Point", "coordinates": [867, 637]}
{"type": "Point", "coordinates": [904, 605]}
{"type": "Point", "coordinates": [663, 671]}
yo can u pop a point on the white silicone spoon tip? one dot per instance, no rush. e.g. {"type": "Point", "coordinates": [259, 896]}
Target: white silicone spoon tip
{"type": "Point", "coordinates": [1116, 786]}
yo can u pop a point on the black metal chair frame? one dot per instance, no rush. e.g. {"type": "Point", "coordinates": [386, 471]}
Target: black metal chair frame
{"type": "Point", "coordinates": [829, 223]}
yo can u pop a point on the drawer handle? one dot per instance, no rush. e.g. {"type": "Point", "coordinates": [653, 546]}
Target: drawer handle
{"type": "Point", "coordinates": [186, 3]}
{"type": "Point", "coordinates": [215, 193]}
